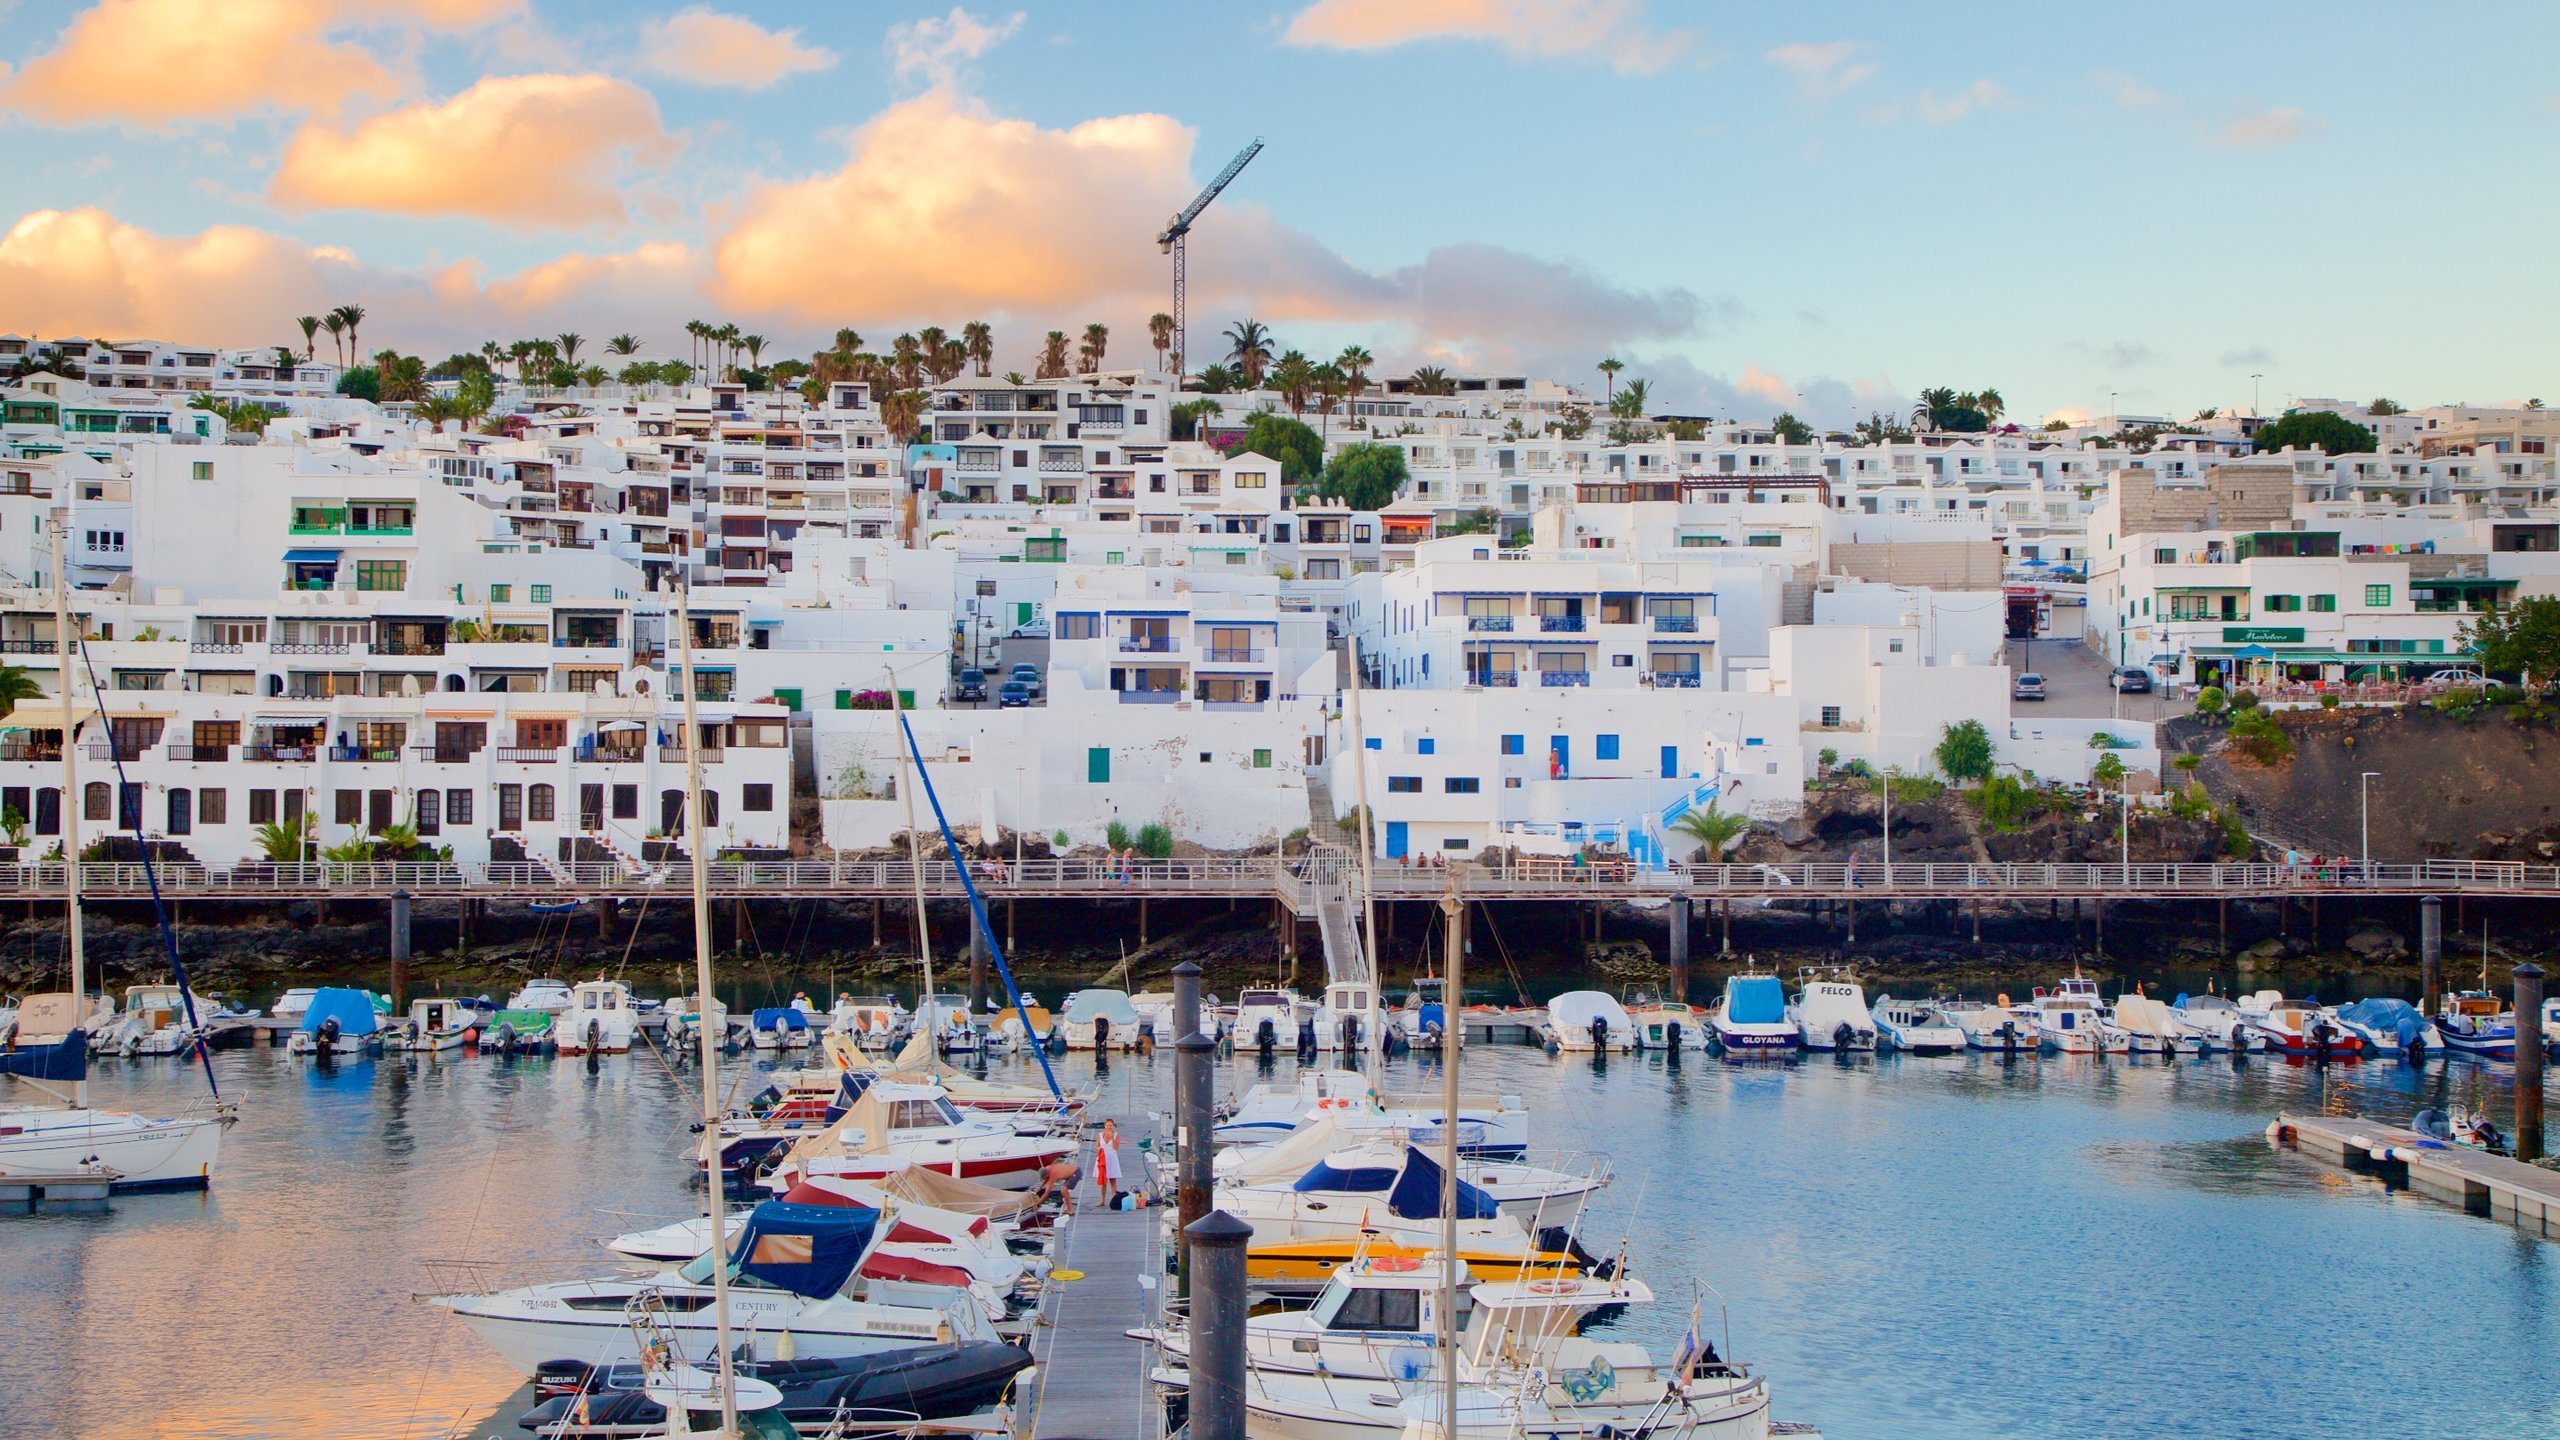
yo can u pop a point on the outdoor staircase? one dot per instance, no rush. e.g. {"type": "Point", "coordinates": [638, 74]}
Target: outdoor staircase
{"type": "Point", "coordinates": [1795, 603]}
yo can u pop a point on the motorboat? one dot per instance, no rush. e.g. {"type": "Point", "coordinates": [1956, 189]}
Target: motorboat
{"type": "Point", "coordinates": [915, 1063]}
{"type": "Point", "coordinates": [792, 1282]}
{"type": "Point", "coordinates": [2150, 1027]}
{"type": "Point", "coordinates": [1918, 1027]}
{"type": "Point", "coordinates": [872, 1021]}
{"type": "Point", "coordinates": [2387, 1027]}
{"type": "Point", "coordinates": [1669, 1025]}
{"type": "Point", "coordinates": [2216, 1023]}
{"type": "Point", "coordinates": [1425, 1012]}
{"type": "Point", "coordinates": [2301, 1029]}
{"type": "Point", "coordinates": [924, 1243]}
{"type": "Point", "coordinates": [1155, 1016]}
{"type": "Point", "coordinates": [292, 1003]}
{"type": "Point", "coordinates": [154, 1022]}
{"type": "Point", "coordinates": [337, 1022]}
{"type": "Point", "coordinates": [1489, 1126]}
{"type": "Point", "coordinates": [1029, 1023]}
{"type": "Point", "coordinates": [1588, 1021]}
{"type": "Point", "coordinates": [1991, 1027]}
{"type": "Point", "coordinates": [1830, 1012]}
{"type": "Point", "coordinates": [130, 1152]}
{"type": "Point", "coordinates": [1752, 1017]}
{"type": "Point", "coordinates": [1098, 1020]}
{"type": "Point", "coordinates": [544, 994]}
{"type": "Point", "coordinates": [600, 1019]}
{"type": "Point", "coordinates": [2477, 1023]}
{"type": "Point", "coordinates": [778, 1027]}
{"type": "Point", "coordinates": [1349, 1018]}
{"type": "Point", "coordinates": [2070, 1018]}
{"type": "Point", "coordinates": [1267, 1019]}
{"type": "Point", "coordinates": [1539, 1196]}
{"type": "Point", "coordinates": [894, 1389]}
{"type": "Point", "coordinates": [438, 1025]}
{"type": "Point", "coordinates": [1307, 1229]}
{"type": "Point", "coordinates": [947, 1020]}
{"type": "Point", "coordinates": [892, 1124]}
{"type": "Point", "coordinates": [519, 1032]}
{"type": "Point", "coordinates": [690, 1016]}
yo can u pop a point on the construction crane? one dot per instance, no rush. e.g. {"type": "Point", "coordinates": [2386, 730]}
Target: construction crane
{"type": "Point", "coordinates": [1172, 241]}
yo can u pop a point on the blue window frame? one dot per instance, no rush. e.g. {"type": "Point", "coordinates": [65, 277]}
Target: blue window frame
{"type": "Point", "coordinates": [1604, 747]}
{"type": "Point", "coordinates": [1426, 746]}
{"type": "Point", "coordinates": [1515, 744]}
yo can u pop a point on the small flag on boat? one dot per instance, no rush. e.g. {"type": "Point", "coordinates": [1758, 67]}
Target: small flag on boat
{"type": "Point", "coordinates": [1690, 1348]}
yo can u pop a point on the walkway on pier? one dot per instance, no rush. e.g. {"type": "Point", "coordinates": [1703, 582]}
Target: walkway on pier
{"type": "Point", "coordinates": [2527, 1195]}
{"type": "Point", "coordinates": [1093, 1378]}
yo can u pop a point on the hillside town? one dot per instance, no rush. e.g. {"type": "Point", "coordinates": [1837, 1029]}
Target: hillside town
{"type": "Point", "coordinates": [359, 608]}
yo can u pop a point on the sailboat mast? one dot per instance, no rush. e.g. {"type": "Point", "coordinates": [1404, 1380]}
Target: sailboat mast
{"type": "Point", "coordinates": [1453, 1034]}
{"type": "Point", "coordinates": [718, 1202]}
{"type": "Point", "coordinates": [915, 868]}
{"type": "Point", "coordinates": [1360, 808]}
{"type": "Point", "coordinates": [70, 806]}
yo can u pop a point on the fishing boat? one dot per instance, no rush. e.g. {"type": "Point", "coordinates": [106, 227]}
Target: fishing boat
{"type": "Point", "coordinates": [1830, 1011]}
{"type": "Point", "coordinates": [1752, 1020]}
{"type": "Point", "coordinates": [600, 1019]}
{"type": "Point", "coordinates": [1587, 1022]}
{"type": "Point", "coordinates": [153, 1022]}
{"type": "Point", "coordinates": [1097, 1020]}
{"type": "Point", "coordinates": [1306, 1230]}
{"type": "Point", "coordinates": [2150, 1027]}
{"type": "Point", "coordinates": [1991, 1026]}
{"type": "Point", "coordinates": [1155, 1016]}
{"type": "Point", "coordinates": [2215, 1022]}
{"type": "Point", "coordinates": [543, 994]}
{"type": "Point", "coordinates": [438, 1025]}
{"type": "Point", "coordinates": [519, 1032]}
{"type": "Point", "coordinates": [1349, 1018]}
{"type": "Point", "coordinates": [1667, 1025]}
{"type": "Point", "coordinates": [2477, 1023]}
{"type": "Point", "coordinates": [2386, 1026]}
{"type": "Point", "coordinates": [338, 1022]}
{"type": "Point", "coordinates": [778, 1027]}
{"type": "Point", "coordinates": [2300, 1029]}
{"type": "Point", "coordinates": [1917, 1027]}
{"type": "Point", "coordinates": [689, 1017]}
{"type": "Point", "coordinates": [2070, 1018]}
{"type": "Point", "coordinates": [1267, 1019]}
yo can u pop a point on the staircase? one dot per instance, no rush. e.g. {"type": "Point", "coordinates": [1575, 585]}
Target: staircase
{"type": "Point", "coordinates": [1795, 603]}
{"type": "Point", "coordinates": [1344, 959]}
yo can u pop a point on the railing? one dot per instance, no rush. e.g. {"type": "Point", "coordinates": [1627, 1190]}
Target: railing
{"type": "Point", "coordinates": [675, 752]}
{"type": "Point", "coordinates": [1676, 624]}
{"type": "Point", "coordinates": [612, 757]}
{"type": "Point", "coordinates": [210, 647]}
{"type": "Point", "coordinates": [1672, 679]}
{"type": "Point", "coordinates": [1495, 679]}
{"type": "Point", "coordinates": [1146, 644]}
{"type": "Point", "coordinates": [365, 754]}
{"type": "Point", "coordinates": [382, 530]}
{"type": "Point", "coordinates": [320, 649]}
{"type": "Point", "coordinates": [114, 750]}
{"type": "Point", "coordinates": [1149, 697]}
{"type": "Point", "coordinates": [442, 754]}
{"type": "Point", "coordinates": [1563, 679]}
{"type": "Point", "coordinates": [409, 647]}
{"type": "Point", "coordinates": [272, 753]}
{"type": "Point", "coordinates": [15, 646]}
{"type": "Point", "coordinates": [1235, 655]}
{"type": "Point", "coordinates": [529, 754]}
{"type": "Point", "coordinates": [1500, 624]}
{"type": "Point", "coordinates": [200, 754]}
{"type": "Point", "coordinates": [20, 750]}
{"type": "Point", "coordinates": [1554, 623]}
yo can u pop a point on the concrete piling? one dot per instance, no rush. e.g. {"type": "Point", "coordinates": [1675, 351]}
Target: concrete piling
{"type": "Point", "coordinates": [2528, 1061]}
{"type": "Point", "coordinates": [1679, 949]}
{"type": "Point", "coordinates": [1194, 1086]}
{"type": "Point", "coordinates": [1217, 1246]}
{"type": "Point", "coordinates": [608, 918]}
{"type": "Point", "coordinates": [2431, 951]}
{"type": "Point", "coordinates": [399, 950]}
{"type": "Point", "coordinates": [977, 964]}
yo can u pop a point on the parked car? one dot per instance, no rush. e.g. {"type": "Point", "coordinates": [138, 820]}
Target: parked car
{"type": "Point", "coordinates": [2028, 687]}
{"type": "Point", "coordinates": [1029, 630]}
{"type": "Point", "coordinates": [2132, 680]}
{"type": "Point", "coordinates": [2455, 680]}
{"type": "Point", "coordinates": [1013, 695]}
{"type": "Point", "coordinates": [1027, 675]}
{"type": "Point", "coordinates": [972, 685]}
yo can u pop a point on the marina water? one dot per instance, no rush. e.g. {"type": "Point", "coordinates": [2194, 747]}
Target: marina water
{"type": "Point", "coordinates": [1909, 1247]}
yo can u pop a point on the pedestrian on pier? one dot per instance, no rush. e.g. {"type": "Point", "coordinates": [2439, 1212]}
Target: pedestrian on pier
{"type": "Point", "coordinates": [1107, 1174]}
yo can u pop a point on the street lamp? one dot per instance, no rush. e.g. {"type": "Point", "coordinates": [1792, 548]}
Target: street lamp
{"type": "Point", "coordinates": [2364, 816]}
{"type": "Point", "coordinates": [2254, 377]}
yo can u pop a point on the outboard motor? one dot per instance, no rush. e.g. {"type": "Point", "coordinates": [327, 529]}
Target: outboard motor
{"type": "Point", "coordinates": [1559, 1237]}
{"type": "Point", "coordinates": [1599, 1032]}
{"type": "Point", "coordinates": [1266, 1036]}
{"type": "Point", "coordinates": [2008, 1034]}
{"type": "Point", "coordinates": [1671, 1035]}
{"type": "Point", "coordinates": [504, 1038]}
{"type": "Point", "coordinates": [1349, 1035]}
{"type": "Point", "coordinates": [2239, 1040]}
{"type": "Point", "coordinates": [1843, 1035]}
{"type": "Point", "coordinates": [327, 1035]}
{"type": "Point", "coordinates": [1101, 1032]}
{"type": "Point", "coordinates": [2316, 1037]}
{"type": "Point", "coordinates": [1307, 1038]}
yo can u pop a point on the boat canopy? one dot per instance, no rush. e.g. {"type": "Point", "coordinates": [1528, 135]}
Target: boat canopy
{"type": "Point", "coordinates": [62, 1056]}
{"type": "Point", "coordinates": [950, 1192]}
{"type": "Point", "coordinates": [781, 1017]}
{"type": "Point", "coordinates": [1349, 1178]}
{"type": "Point", "coordinates": [2387, 1017]}
{"type": "Point", "coordinates": [1305, 1146]}
{"type": "Point", "coordinates": [1576, 1009]}
{"type": "Point", "coordinates": [1086, 1006]}
{"type": "Point", "coordinates": [1754, 1000]}
{"type": "Point", "coordinates": [806, 1249]}
{"type": "Point", "coordinates": [352, 1009]}
{"type": "Point", "coordinates": [1416, 1195]}
{"type": "Point", "coordinates": [2195, 1003]}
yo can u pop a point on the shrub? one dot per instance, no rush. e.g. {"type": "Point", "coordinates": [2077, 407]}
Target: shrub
{"type": "Point", "coordinates": [1116, 835]}
{"type": "Point", "coordinates": [1059, 840]}
{"type": "Point", "coordinates": [1155, 840]}
{"type": "Point", "coordinates": [2109, 771]}
{"type": "Point", "coordinates": [2186, 764]}
{"type": "Point", "coordinates": [2007, 804]}
{"type": "Point", "coordinates": [2211, 700]}
{"type": "Point", "coordinates": [1964, 751]}
{"type": "Point", "coordinates": [1828, 759]}
{"type": "Point", "coordinates": [2104, 741]}
{"type": "Point", "coordinates": [2328, 702]}
{"type": "Point", "coordinates": [2259, 737]}
{"type": "Point", "coordinates": [2244, 700]}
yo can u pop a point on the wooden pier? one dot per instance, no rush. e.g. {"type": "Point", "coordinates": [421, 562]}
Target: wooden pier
{"type": "Point", "coordinates": [2492, 1185]}
{"type": "Point", "coordinates": [1092, 1383]}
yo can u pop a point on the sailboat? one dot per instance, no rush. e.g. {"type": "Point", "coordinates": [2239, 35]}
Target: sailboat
{"type": "Point", "coordinates": [49, 1050]}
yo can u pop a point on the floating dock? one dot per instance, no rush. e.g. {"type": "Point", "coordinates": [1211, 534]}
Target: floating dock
{"type": "Point", "coordinates": [45, 1192]}
{"type": "Point", "coordinates": [1093, 1378]}
{"type": "Point", "coordinates": [2486, 1184]}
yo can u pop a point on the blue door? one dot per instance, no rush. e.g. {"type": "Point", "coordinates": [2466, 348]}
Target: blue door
{"type": "Point", "coordinates": [1395, 839]}
{"type": "Point", "coordinates": [1560, 755]}
{"type": "Point", "coordinates": [1670, 762]}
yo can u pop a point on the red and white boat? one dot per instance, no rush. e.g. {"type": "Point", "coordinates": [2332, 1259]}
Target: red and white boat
{"type": "Point", "coordinates": [2299, 1028]}
{"type": "Point", "coordinates": [925, 1245]}
{"type": "Point", "coordinates": [896, 1125]}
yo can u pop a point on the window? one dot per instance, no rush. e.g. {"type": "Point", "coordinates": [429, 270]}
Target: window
{"type": "Point", "coordinates": [430, 812]}
{"type": "Point", "coordinates": [2282, 603]}
{"type": "Point", "coordinates": [1604, 747]}
{"type": "Point", "coordinates": [756, 799]}
{"type": "Point", "coordinates": [262, 807]}
{"type": "Point", "coordinates": [498, 594]}
{"type": "Point", "coordinates": [2377, 597]}
{"type": "Point", "coordinates": [1461, 785]}
{"type": "Point", "coordinates": [2324, 604]}
{"type": "Point", "coordinates": [540, 806]}
{"type": "Point", "coordinates": [626, 802]}
{"type": "Point", "coordinates": [382, 575]}
{"type": "Point", "coordinates": [1453, 843]}
{"type": "Point", "coordinates": [202, 470]}
{"type": "Point", "coordinates": [1251, 479]}
{"type": "Point", "coordinates": [213, 807]}
{"type": "Point", "coordinates": [1426, 746]}
{"type": "Point", "coordinates": [541, 594]}
{"type": "Point", "coordinates": [1404, 784]}
{"type": "Point", "coordinates": [1097, 765]}
{"type": "Point", "coordinates": [1893, 647]}
{"type": "Point", "coordinates": [1514, 745]}
{"type": "Point", "coordinates": [350, 809]}
{"type": "Point", "coordinates": [457, 807]}
{"type": "Point", "coordinates": [986, 587]}
{"type": "Point", "coordinates": [1261, 759]}
{"type": "Point", "coordinates": [1830, 717]}
{"type": "Point", "coordinates": [2165, 555]}
{"type": "Point", "coordinates": [1079, 627]}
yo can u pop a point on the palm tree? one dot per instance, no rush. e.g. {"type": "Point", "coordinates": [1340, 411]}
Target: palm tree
{"type": "Point", "coordinates": [310, 329]}
{"type": "Point", "coordinates": [336, 325]}
{"type": "Point", "coordinates": [1934, 403]}
{"type": "Point", "coordinates": [754, 346]}
{"type": "Point", "coordinates": [1629, 403]}
{"type": "Point", "coordinates": [1249, 347]}
{"type": "Point", "coordinates": [1354, 363]}
{"type": "Point", "coordinates": [727, 335]}
{"type": "Point", "coordinates": [592, 376]}
{"type": "Point", "coordinates": [285, 842]}
{"type": "Point", "coordinates": [1331, 385]}
{"type": "Point", "coordinates": [1097, 341]}
{"type": "Point", "coordinates": [570, 340]}
{"type": "Point", "coordinates": [929, 341]}
{"type": "Point", "coordinates": [16, 685]}
{"type": "Point", "coordinates": [1713, 829]}
{"type": "Point", "coordinates": [492, 352]}
{"type": "Point", "coordinates": [694, 330]}
{"type": "Point", "coordinates": [1160, 335]}
{"type": "Point", "coordinates": [1609, 369]}
{"type": "Point", "coordinates": [979, 339]}
{"type": "Point", "coordinates": [1990, 404]}
{"type": "Point", "coordinates": [902, 411]}
{"type": "Point", "coordinates": [1431, 380]}
{"type": "Point", "coordinates": [624, 344]}
{"type": "Point", "coordinates": [907, 356]}
{"type": "Point", "coordinates": [948, 360]}
{"type": "Point", "coordinates": [847, 341]}
{"type": "Point", "coordinates": [1293, 376]}
{"type": "Point", "coordinates": [1053, 356]}
{"type": "Point", "coordinates": [1218, 380]}
{"type": "Point", "coordinates": [354, 316]}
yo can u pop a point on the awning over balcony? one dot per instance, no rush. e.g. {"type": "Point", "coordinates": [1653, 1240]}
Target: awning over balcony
{"type": "Point", "coordinates": [312, 557]}
{"type": "Point", "coordinates": [46, 717]}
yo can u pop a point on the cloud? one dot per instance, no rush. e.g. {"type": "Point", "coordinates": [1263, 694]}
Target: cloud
{"type": "Point", "coordinates": [530, 151]}
{"type": "Point", "coordinates": [2127, 91]}
{"type": "Point", "coordinates": [2126, 354]}
{"type": "Point", "coordinates": [944, 210]}
{"type": "Point", "coordinates": [158, 63]}
{"type": "Point", "coordinates": [2248, 356]}
{"type": "Point", "coordinates": [1826, 69]}
{"type": "Point", "coordinates": [433, 14]}
{"type": "Point", "coordinates": [1980, 95]}
{"type": "Point", "coordinates": [701, 46]}
{"type": "Point", "coordinates": [934, 50]}
{"type": "Point", "coordinates": [1767, 385]}
{"type": "Point", "coordinates": [1613, 30]}
{"type": "Point", "coordinates": [2265, 129]}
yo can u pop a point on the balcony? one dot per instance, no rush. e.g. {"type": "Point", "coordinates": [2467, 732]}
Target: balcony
{"type": "Point", "coordinates": [272, 753]}
{"type": "Point", "coordinates": [1675, 624]}
{"type": "Point", "coordinates": [1494, 624]}
{"type": "Point", "coordinates": [1236, 655]}
{"type": "Point", "coordinates": [441, 754]}
{"type": "Point", "coordinates": [365, 754]}
{"type": "Point", "coordinates": [16, 646]}
{"type": "Point", "coordinates": [391, 531]}
{"type": "Point", "coordinates": [529, 754]}
{"type": "Point", "coordinates": [117, 750]}
{"type": "Point", "coordinates": [333, 649]}
{"type": "Point", "coordinates": [200, 754]}
{"type": "Point", "coordinates": [1149, 697]}
{"type": "Point", "coordinates": [1495, 679]}
{"type": "Point", "coordinates": [25, 750]}
{"type": "Point", "coordinates": [1672, 679]}
{"type": "Point", "coordinates": [675, 753]}
{"type": "Point", "coordinates": [1566, 624]}
{"type": "Point", "coordinates": [1564, 679]}
{"type": "Point", "coordinates": [603, 756]}
{"type": "Point", "coordinates": [1146, 645]}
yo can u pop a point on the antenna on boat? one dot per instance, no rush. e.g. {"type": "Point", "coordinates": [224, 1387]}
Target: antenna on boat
{"type": "Point", "coordinates": [1453, 1034]}
{"type": "Point", "coordinates": [717, 1204]}
{"type": "Point", "coordinates": [69, 687]}
{"type": "Point", "coordinates": [915, 867]}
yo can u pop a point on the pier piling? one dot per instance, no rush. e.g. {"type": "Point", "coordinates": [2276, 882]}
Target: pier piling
{"type": "Point", "coordinates": [399, 949]}
{"type": "Point", "coordinates": [1194, 1086]}
{"type": "Point", "coordinates": [1724, 913]}
{"type": "Point", "coordinates": [2431, 950]}
{"type": "Point", "coordinates": [1679, 949]}
{"type": "Point", "coordinates": [608, 918]}
{"type": "Point", "coordinates": [1217, 1326]}
{"type": "Point", "coordinates": [2528, 1061]}
{"type": "Point", "coordinates": [977, 963]}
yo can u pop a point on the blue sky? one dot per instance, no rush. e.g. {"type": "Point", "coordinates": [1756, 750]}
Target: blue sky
{"type": "Point", "coordinates": [1822, 209]}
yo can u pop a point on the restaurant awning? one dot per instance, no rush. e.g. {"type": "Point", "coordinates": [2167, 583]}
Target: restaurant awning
{"type": "Point", "coordinates": [45, 717]}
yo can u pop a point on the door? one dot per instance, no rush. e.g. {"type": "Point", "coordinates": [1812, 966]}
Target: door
{"type": "Point", "coordinates": [1559, 756]}
{"type": "Point", "coordinates": [1024, 611]}
{"type": "Point", "coordinates": [1097, 765]}
{"type": "Point", "coordinates": [1670, 762]}
{"type": "Point", "coordinates": [1395, 839]}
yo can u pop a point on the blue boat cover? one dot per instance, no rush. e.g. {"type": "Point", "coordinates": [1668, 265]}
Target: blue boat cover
{"type": "Point", "coordinates": [781, 1017]}
{"type": "Point", "coordinates": [1754, 1000]}
{"type": "Point", "coordinates": [1417, 1192]}
{"type": "Point", "coordinates": [352, 1009]}
{"type": "Point", "coordinates": [1362, 1180]}
{"type": "Point", "coordinates": [65, 1062]}
{"type": "Point", "coordinates": [806, 1249]}
{"type": "Point", "coordinates": [2388, 1017]}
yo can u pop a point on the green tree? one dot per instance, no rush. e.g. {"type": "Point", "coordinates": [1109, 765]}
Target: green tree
{"type": "Point", "coordinates": [310, 329]}
{"type": "Point", "coordinates": [1187, 416]}
{"type": "Point", "coordinates": [1218, 380]}
{"type": "Point", "coordinates": [1609, 368]}
{"type": "Point", "coordinates": [1964, 751]}
{"type": "Point", "coordinates": [2324, 430]}
{"type": "Point", "coordinates": [625, 344]}
{"type": "Point", "coordinates": [2522, 638]}
{"type": "Point", "coordinates": [1714, 829]}
{"type": "Point", "coordinates": [1160, 337]}
{"type": "Point", "coordinates": [1367, 476]}
{"type": "Point", "coordinates": [285, 842]}
{"type": "Point", "coordinates": [2109, 771]}
{"type": "Point", "coordinates": [1431, 380]}
{"type": "Point", "coordinates": [2383, 406]}
{"type": "Point", "coordinates": [1791, 431]}
{"type": "Point", "coordinates": [1294, 443]}
{"type": "Point", "coordinates": [1249, 349]}
{"type": "Point", "coordinates": [362, 384]}
{"type": "Point", "coordinates": [16, 686]}
{"type": "Point", "coordinates": [2211, 701]}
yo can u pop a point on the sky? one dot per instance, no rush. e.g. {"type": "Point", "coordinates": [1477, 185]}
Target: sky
{"type": "Point", "coordinates": [1821, 209]}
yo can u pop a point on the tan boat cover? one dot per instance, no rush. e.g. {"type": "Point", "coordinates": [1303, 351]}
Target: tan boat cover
{"type": "Point", "coordinates": [949, 1192]}
{"type": "Point", "coordinates": [1289, 1158]}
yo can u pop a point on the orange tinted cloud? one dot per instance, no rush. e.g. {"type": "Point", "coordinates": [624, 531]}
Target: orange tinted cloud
{"type": "Point", "coordinates": [1612, 29]}
{"type": "Point", "coordinates": [164, 62]}
{"type": "Point", "coordinates": [530, 151]}
{"type": "Point", "coordinates": [705, 47]}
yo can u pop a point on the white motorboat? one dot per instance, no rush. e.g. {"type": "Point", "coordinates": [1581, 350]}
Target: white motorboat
{"type": "Point", "coordinates": [2070, 1019]}
{"type": "Point", "coordinates": [1536, 1195]}
{"type": "Point", "coordinates": [337, 1022]}
{"type": "Point", "coordinates": [1098, 1020]}
{"type": "Point", "coordinates": [947, 1019]}
{"type": "Point", "coordinates": [2215, 1022]}
{"type": "Point", "coordinates": [1992, 1027]}
{"type": "Point", "coordinates": [2299, 1028]}
{"type": "Point", "coordinates": [293, 1003]}
{"type": "Point", "coordinates": [1752, 1017]}
{"type": "Point", "coordinates": [131, 1152]}
{"type": "Point", "coordinates": [1830, 1012]}
{"type": "Point", "coordinates": [688, 1016]}
{"type": "Point", "coordinates": [778, 1027]}
{"type": "Point", "coordinates": [1588, 1021]}
{"type": "Point", "coordinates": [544, 994]}
{"type": "Point", "coordinates": [1267, 1019]}
{"type": "Point", "coordinates": [1667, 1025]}
{"type": "Point", "coordinates": [600, 1019]}
{"type": "Point", "coordinates": [2150, 1027]}
{"type": "Point", "coordinates": [791, 1273]}
{"type": "Point", "coordinates": [923, 1244]}
{"type": "Point", "coordinates": [153, 1022]}
{"type": "Point", "coordinates": [872, 1021]}
{"type": "Point", "coordinates": [893, 1125]}
{"type": "Point", "coordinates": [1917, 1027]}
{"type": "Point", "coordinates": [1489, 1126]}
{"type": "Point", "coordinates": [1304, 1230]}
{"type": "Point", "coordinates": [439, 1025]}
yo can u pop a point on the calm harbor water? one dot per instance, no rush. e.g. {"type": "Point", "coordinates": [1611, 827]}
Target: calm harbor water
{"type": "Point", "coordinates": [1909, 1248]}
